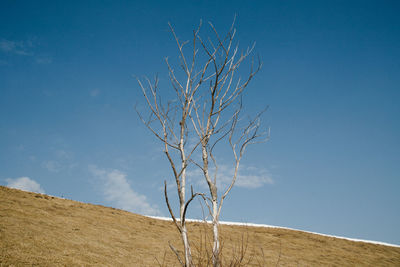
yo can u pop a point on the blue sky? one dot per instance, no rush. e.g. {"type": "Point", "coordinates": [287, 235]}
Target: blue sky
{"type": "Point", "coordinates": [331, 77]}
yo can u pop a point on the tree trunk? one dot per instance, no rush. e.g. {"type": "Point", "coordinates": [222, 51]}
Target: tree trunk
{"type": "Point", "coordinates": [186, 246]}
{"type": "Point", "coordinates": [215, 222]}
{"type": "Point", "coordinates": [184, 234]}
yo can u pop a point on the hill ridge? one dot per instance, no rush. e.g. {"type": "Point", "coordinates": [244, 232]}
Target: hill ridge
{"type": "Point", "coordinates": [38, 229]}
{"type": "Point", "coordinates": [285, 228]}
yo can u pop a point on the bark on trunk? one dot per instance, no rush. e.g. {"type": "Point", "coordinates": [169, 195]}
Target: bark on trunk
{"type": "Point", "coordinates": [188, 253]}
{"type": "Point", "coordinates": [184, 234]}
{"type": "Point", "coordinates": [215, 223]}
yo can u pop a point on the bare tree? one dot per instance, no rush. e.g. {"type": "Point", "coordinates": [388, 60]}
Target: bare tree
{"type": "Point", "coordinates": [204, 112]}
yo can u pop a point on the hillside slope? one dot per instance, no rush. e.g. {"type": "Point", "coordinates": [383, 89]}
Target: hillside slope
{"type": "Point", "coordinates": [39, 230]}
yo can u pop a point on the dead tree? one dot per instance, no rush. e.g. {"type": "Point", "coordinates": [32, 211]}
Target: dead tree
{"type": "Point", "coordinates": [206, 109]}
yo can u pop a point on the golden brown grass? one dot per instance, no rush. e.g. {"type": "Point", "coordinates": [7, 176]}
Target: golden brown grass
{"type": "Point", "coordinates": [39, 230]}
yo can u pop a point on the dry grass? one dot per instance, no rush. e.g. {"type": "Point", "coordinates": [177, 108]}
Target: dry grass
{"type": "Point", "coordinates": [38, 230]}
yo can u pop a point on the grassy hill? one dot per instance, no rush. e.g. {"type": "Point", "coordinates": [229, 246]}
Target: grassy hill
{"type": "Point", "coordinates": [40, 230]}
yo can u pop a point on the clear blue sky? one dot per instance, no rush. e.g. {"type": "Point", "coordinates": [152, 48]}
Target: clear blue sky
{"type": "Point", "coordinates": [331, 76]}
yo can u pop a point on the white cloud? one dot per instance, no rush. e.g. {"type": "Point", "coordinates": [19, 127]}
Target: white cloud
{"type": "Point", "coordinates": [249, 177]}
{"type": "Point", "coordinates": [253, 181]}
{"type": "Point", "coordinates": [119, 192]}
{"type": "Point", "coordinates": [253, 177]}
{"type": "Point", "coordinates": [24, 183]}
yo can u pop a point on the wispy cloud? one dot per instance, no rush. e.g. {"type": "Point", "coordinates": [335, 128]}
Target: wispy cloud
{"type": "Point", "coordinates": [63, 154]}
{"type": "Point", "coordinates": [24, 183]}
{"type": "Point", "coordinates": [43, 60]}
{"type": "Point", "coordinates": [119, 192]}
{"type": "Point", "coordinates": [23, 48]}
{"type": "Point", "coordinates": [253, 177]}
{"type": "Point", "coordinates": [94, 92]}
{"type": "Point", "coordinates": [52, 165]}
{"type": "Point", "coordinates": [63, 160]}
{"type": "Point", "coordinates": [15, 47]}
{"type": "Point", "coordinates": [249, 177]}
